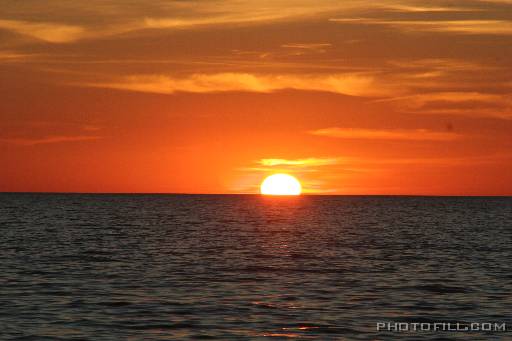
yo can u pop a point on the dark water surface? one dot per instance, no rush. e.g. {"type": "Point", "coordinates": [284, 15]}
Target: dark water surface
{"type": "Point", "coordinates": [175, 267]}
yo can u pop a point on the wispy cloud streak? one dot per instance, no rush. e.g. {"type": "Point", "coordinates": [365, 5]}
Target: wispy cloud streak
{"type": "Point", "coordinates": [48, 32]}
{"type": "Point", "coordinates": [50, 139]}
{"type": "Point", "coordinates": [349, 83]}
{"type": "Point", "coordinates": [308, 162]}
{"type": "Point", "coordinates": [390, 134]}
{"type": "Point", "coordinates": [496, 27]}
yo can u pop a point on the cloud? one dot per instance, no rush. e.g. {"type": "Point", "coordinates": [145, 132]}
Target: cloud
{"type": "Point", "coordinates": [97, 19]}
{"type": "Point", "coordinates": [298, 166]}
{"type": "Point", "coordinates": [309, 47]}
{"type": "Point", "coordinates": [48, 32]}
{"type": "Point", "coordinates": [454, 97]}
{"type": "Point", "coordinates": [438, 161]}
{"type": "Point", "coordinates": [13, 57]}
{"type": "Point", "coordinates": [50, 139]}
{"type": "Point", "coordinates": [496, 27]}
{"type": "Point", "coordinates": [506, 2]}
{"type": "Point", "coordinates": [386, 134]}
{"type": "Point", "coordinates": [308, 162]}
{"type": "Point", "coordinates": [457, 103]}
{"type": "Point", "coordinates": [419, 9]}
{"type": "Point", "coordinates": [366, 164]}
{"type": "Point", "coordinates": [108, 18]}
{"type": "Point", "coordinates": [241, 11]}
{"type": "Point", "coordinates": [440, 64]}
{"type": "Point", "coordinates": [349, 84]}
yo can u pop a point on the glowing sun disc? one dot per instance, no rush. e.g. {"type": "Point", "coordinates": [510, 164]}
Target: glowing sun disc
{"type": "Point", "coordinates": [280, 184]}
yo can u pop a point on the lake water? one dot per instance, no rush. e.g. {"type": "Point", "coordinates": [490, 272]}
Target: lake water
{"type": "Point", "coordinates": [177, 267]}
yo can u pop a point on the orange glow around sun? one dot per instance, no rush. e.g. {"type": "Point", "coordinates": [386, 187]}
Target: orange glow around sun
{"type": "Point", "coordinates": [280, 184]}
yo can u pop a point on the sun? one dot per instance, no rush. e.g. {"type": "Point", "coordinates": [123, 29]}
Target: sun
{"type": "Point", "coordinates": [280, 184]}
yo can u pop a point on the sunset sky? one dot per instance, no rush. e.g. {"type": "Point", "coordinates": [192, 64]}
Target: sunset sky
{"type": "Point", "coordinates": [351, 97]}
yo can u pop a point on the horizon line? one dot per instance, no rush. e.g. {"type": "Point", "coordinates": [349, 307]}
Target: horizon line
{"type": "Point", "coordinates": [259, 194]}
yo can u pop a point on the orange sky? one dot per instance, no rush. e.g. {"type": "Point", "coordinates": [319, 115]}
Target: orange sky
{"type": "Point", "coordinates": [351, 97]}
